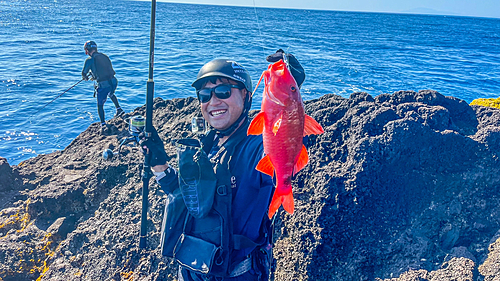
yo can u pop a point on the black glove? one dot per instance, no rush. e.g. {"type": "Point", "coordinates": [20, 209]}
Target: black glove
{"type": "Point", "coordinates": [295, 68]}
{"type": "Point", "coordinates": [158, 156]}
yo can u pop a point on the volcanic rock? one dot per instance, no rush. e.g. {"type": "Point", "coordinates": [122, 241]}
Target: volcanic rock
{"type": "Point", "coordinates": [401, 186]}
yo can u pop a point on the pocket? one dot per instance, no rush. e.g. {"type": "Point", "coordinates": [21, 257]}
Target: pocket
{"type": "Point", "coordinates": [195, 254]}
{"type": "Point", "coordinates": [263, 260]}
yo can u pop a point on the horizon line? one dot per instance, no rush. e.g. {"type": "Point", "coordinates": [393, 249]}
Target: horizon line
{"type": "Point", "coordinates": [408, 12]}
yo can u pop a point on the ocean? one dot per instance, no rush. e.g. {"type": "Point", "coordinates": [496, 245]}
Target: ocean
{"type": "Point", "coordinates": [342, 52]}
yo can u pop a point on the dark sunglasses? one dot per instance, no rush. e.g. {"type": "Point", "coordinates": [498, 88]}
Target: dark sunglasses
{"type": "Point", "coordinates": [222, 92]}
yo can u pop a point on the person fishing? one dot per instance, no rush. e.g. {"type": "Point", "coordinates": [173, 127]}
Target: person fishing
{"type": "Point", "coordinates": [232, 240]}
{"type": "Point", "coordinates": [98, 67]}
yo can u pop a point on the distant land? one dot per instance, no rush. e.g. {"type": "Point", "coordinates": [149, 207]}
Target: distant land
{"type": "Point", "coordinates": [427, 11]}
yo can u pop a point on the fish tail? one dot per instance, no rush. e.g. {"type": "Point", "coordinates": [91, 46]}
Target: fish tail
{"type": "Point", "coordinates": [288, 204]}
{"type": "Point", "coordinates": [279, 198]}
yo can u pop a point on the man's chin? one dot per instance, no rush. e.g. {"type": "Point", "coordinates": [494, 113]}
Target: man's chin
{"type": "Point", "coordinates": [218, 125]}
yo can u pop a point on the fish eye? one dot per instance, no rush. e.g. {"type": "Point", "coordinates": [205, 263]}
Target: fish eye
{"type": "Point", "coordinates": [293, 89]}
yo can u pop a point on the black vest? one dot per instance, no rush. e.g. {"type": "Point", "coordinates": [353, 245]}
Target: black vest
{"type": "Point", "coordinates": [204, 244]}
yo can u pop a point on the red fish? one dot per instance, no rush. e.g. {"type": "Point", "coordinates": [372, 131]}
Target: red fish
{"type": "Point", "coordinates": [282, 123]}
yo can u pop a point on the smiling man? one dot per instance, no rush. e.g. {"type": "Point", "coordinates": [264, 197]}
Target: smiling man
{"type": "Point", "coordinates": [224, 90]}
{"type": "Point", "coordinates": [237, 244]}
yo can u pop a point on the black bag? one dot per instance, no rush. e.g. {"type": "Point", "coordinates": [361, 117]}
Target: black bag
{"type": "Point", "coordinates": [174, 217]}
{"type": "Point", "coordinates": [195, 194]}
{"type": "Point", "coordinates": [188, 247]}
{"type": "Point", "coordinates": [197, 180]}
{"type": "Point", "coordinates": [200, 245]}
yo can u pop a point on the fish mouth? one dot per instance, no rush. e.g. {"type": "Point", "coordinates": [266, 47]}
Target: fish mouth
{"type": "Point", "coordinates": [273, 98]}
{"type": "Point", "coordinates": [218, 112]}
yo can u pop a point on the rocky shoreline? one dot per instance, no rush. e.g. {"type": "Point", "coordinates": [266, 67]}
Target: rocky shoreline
{"type": "Point", "coordinates": [401, 186]}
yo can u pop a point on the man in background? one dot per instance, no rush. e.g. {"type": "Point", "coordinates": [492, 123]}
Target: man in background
{"type": "Point", "coordinates": [99, 66]}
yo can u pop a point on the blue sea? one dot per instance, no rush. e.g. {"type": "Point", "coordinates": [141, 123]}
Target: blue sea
{"type": "Point", "coordinates": [41, 43]}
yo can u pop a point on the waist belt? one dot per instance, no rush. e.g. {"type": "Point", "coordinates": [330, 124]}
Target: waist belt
{"type": "Point", "coordinates": [242, 267]}
{"type": "Point", "coordinates": [109, 82]}
{"type": "Point", "coordinates": [105, 79]}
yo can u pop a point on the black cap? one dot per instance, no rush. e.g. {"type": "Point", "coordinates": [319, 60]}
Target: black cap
{"type": "Point", "coordinates": [224, 68]}
{"type": "Point", "coordinates": [90, 45]}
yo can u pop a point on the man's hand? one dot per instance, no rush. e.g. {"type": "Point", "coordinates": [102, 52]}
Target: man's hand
{"type": "Point", "coordinates": [276, 56]}
{"type": "Point", "coordinates": [154, 146]}
{"type": "Point", "coordinates": [295, 68]}
{"type": "Point", "coordinates": [87, 76]}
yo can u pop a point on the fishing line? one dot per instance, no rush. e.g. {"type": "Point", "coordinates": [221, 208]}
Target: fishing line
{"type": "Point", "coordinates": [258, 25]}
{"type": "Point", "coordinates": [56, 98]}
{"type": "Point", "coordinates": [262, 44]}
{"type": "Point", "coordinates": [285, 57]}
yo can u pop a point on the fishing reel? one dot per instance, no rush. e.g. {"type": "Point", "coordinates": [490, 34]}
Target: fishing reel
{"type": "Point", "coordinates": [136, 127]}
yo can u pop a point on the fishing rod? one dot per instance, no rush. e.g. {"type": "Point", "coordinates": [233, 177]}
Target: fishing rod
{"type": "Point", "coordinates": [146, 170]}
{"type": "Point", "coordinates": [57, 97]}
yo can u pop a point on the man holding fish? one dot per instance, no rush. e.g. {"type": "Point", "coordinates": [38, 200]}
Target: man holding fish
{"type": "Point", "coordinates": [242, 160]}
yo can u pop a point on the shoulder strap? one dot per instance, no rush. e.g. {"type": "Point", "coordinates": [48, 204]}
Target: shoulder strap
{"type": "Point", "coordinates": [208, 141]}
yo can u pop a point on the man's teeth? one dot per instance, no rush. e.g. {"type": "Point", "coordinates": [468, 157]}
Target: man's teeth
{"type": "Point", "coordinates": [218, 112]}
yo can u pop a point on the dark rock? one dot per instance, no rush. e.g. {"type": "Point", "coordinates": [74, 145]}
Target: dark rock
{"type": "Point", "coordinates": [457, 269]}
{"type": "Point", "coordinates": [402, 186]}
{"type": "Point", "coordinates": [8, 176]}
{"type": "Point", "coordinates": [61, 227]}
{"type": "Point", "coordinates": [462, 252]}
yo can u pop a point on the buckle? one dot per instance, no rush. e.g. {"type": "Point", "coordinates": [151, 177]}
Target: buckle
{"type": "Point", "coordinates": [222, 190]}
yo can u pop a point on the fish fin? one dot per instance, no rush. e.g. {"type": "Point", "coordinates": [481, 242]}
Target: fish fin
{"type": "Point", "coordinates": [281, 199]}
{"type": "Point", "coordinates": [302, 160]}
{"type": "Point", "coordinates": [258, 83]}
{"type": "Point", "coordinates": [311, 127]}
{"type": "Point", "coordinates": [265, 166]}
{"type": "Point", "coordinates": [287, 203]}
{"type": "Point", "coordinates": [257, 125]}
{"type": "Point", "coordinates": [277, 124]}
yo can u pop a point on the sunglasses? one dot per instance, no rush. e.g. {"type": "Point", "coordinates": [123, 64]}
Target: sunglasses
{"type": "Point", "coordinates": [221, 92]}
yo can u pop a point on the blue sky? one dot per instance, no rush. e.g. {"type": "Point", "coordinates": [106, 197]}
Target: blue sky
{"type": "Point", "coordinates": [477, 8]}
